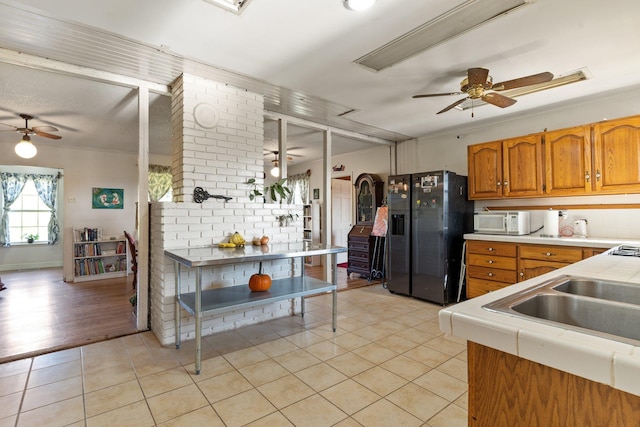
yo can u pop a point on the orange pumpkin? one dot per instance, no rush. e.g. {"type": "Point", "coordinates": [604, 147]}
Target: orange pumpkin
{"type": "Point", "coordinates": [259, 282]}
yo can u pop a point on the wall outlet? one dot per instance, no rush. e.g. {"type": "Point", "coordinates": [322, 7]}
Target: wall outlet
{"type": "Point", "coordinates": [71, 199]}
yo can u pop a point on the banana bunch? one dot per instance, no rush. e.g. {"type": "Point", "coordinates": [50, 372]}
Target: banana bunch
{"type": "Point", "coordinates": [237, 239]}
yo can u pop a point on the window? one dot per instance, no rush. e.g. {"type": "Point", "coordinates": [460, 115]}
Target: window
{"type": "Point", "coordinates": [29, 215]}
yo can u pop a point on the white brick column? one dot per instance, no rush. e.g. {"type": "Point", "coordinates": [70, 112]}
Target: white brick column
{"type": "Point", "coordinates": [220, 159]}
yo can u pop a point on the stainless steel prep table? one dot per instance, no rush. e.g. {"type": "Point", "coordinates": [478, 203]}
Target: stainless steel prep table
{"type": "Point", "coordinates": [211, 301]}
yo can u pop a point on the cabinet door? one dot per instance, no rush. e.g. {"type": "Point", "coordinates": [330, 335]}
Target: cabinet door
{"type": "Point", "coordinates": [485, 170]}
{"type": "Point", "coordinates": [530, 268]}
{"type": "Point", "coordinates": [617, 155]}
{"type": "Point", "coordinates": [522, 166]}
{"type": "Point", "coordinates": [568, 161]}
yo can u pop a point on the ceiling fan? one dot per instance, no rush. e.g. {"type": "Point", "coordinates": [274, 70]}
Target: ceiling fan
{"type": "Point", "coordinates": [36, 130]}
{"type": "Point", "coordinates": [25, 148]}
{"type": "Point", "coordinates": [479, 85]}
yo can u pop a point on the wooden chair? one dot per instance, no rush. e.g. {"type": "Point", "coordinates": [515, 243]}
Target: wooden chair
{"type": "Point", "coordinates": [133, 253]}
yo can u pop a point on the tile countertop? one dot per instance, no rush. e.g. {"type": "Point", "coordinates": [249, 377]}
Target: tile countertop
{"type": "Point", "coordinates": [598, 359]}
{"type": "Point", "coordinates": [588, 242]}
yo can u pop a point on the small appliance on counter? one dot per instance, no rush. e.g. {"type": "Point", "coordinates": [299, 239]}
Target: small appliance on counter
{"type": "Point", "coordinates": [502, 222]}
{"type": "Point", "coordinates": [580, 228]}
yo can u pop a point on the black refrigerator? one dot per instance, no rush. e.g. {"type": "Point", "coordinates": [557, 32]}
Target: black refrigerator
{"type": "Point", "coordinates": [428, 215]}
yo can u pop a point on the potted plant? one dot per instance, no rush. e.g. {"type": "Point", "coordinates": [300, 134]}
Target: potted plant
{"type": "Point", "coordinates": [278, 192]}
{"type": "Point", "coordinates": [31, 237]}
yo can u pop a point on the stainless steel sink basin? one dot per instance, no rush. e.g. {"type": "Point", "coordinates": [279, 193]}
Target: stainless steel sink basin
{"type": "Point", "coordinates": [609, 290]}
{"type": "Point", "coordinates": [597, 307]}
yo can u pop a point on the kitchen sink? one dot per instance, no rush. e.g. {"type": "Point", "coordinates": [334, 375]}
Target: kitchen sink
{"type": "Point", "coordinates": [603, 289]}
{"type": "Point", "coordinates": [597, 307]}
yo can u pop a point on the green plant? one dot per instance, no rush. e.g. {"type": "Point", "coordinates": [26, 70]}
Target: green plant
{"type": "Point", "coordinates": [278, 192]}
{"type": "Point", "coordinates": [285, 219]}
{"type": "Point", "coordinates": [31, 237]}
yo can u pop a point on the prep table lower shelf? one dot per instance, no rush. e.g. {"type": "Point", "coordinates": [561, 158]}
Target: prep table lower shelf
{"type": "Point", "coordinates": [237, 297]}
{"type": "Point", "coordinates": [211, 301]}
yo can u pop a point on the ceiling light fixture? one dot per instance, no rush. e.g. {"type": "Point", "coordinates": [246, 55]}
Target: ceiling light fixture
{"type": "Point", "coordinates": [456, 21]}
{"type": "Point", "coordinates": [25, 148]}
{"type": "Point", "coordinates": [275, 171]}
{"type": "Point", "coordinates": [235, 6]}
{"type": "Point", "coordinates": [358, 4]}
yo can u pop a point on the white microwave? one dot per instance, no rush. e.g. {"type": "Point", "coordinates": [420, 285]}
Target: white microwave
{"type": "Point", "coordinates": [502, 222]}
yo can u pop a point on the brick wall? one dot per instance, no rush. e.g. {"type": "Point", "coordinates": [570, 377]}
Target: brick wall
{"type": "Point", "coordinates": [220, 160]}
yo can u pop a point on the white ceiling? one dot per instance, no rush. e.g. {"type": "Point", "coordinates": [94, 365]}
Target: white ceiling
{"type": "Point", "coordinates": [300, 54]}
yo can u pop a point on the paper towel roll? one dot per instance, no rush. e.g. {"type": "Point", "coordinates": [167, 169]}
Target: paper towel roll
{"type": "Point", "coordinates": [551, 221]}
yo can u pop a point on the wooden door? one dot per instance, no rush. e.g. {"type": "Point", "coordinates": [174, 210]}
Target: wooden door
{"type": "Point", "coordinates": [340, 214]}
{"type": "Point", "coordinates": [617, 155]}
{"type": "Point", "coordinates": [522, 166]}
{"type": "Point", "coordinates": [485, 170]}
{"type": "Point", "coordinates": [568, 161]}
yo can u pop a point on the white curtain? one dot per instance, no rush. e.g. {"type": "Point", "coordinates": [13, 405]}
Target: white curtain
{"type": "Point", "coordinates": [299, 185]}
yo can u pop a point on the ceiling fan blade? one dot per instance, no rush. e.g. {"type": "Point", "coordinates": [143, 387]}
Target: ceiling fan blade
{"type": "Point", "coordinates": [458, 102]}
{"type": "Point", "coordinates": [48, 135]}
{"type": "Point", "coordinates": [44, 129]}
{"type": "Point", "coordinates": [12, 127]}
{"type": "Point", "coordinates": [429, 95]}
{"type": "Point", "coordinates": [524, 81]}
{"type": "Point", "coordinates": [498, 100]}
{"type": "Point", "coordinates": [478, 76]}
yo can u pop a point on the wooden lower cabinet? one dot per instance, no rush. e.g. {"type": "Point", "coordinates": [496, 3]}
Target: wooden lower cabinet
{"type": "Point", "coordinates": [490, 266]}
{"type": "Point", "coordinates": [534, 260]}
{"type": "Point", "coordinates": [506, 390]}
{"type": "Point", "coordinates": [494, 265]}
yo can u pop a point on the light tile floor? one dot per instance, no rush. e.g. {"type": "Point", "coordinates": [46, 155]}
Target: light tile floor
{"type": "Point", "coordinates": [388, 364]}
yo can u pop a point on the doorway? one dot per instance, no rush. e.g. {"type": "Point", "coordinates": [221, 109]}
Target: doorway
{"type": "Point", "coordinates": [341, 208]}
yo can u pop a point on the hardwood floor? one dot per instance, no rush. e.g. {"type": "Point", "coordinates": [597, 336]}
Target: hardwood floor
{"type": "Point", "coordinates": [40, 313]}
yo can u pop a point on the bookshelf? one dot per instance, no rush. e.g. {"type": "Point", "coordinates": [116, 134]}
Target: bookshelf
{"type": "Point", "coordinates": [311, 229]}
{"type": "Point", "coordinates": [97, 257]}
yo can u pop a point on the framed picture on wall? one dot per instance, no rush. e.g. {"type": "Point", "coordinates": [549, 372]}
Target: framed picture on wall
{"type": "Point", "coordinates": [316, 193]}
{"type": "Point", "coordinates": [107, 198]}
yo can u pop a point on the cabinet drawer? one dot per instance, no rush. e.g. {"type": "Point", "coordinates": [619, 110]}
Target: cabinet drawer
{"type": "Point", "coordinates": [505, 263]}
{"type": "Point", "coordinates": [358, 264]}
{"type": "Point", "coordinates": [491, 248]}
{"type": "Point", "coordinates": [359, 255]}
{"type": "Point", "coordinates": [551, 253]}
{"type": "Point", "coordinates": [358, 244]}
{"type": "Point", "coordinates": [477, 287]}
{"type": "Point", "coordinates": [489, 273]}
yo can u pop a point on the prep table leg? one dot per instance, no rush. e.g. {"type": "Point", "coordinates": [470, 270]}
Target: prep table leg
{"type": "Point", "coordinates": [176, 272]}
{"type": "Point", "coordinates": [198, 298]}
{"type": "Point", "coordinates": [334, 261]}
{"type": "Point", "coordinates": [302, 298]}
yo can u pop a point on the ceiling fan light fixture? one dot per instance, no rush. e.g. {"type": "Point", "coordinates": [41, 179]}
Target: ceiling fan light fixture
{"type": "Point", "coordinates": [358, 4]}
{"type": "Point", "coordinates": [25, 148]}
{"type": "Point", "coordinates": [275, 171]}
{"type": "Point", "coordinates": [561, 80]}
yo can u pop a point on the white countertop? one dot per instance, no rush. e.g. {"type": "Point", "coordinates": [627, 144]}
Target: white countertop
{"type": "Point", "coordinates": [588, 242]}
{"type": "Point", "coordinates": [598, 359]}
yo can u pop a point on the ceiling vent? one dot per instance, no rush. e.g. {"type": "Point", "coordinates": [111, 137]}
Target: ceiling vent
{"type": "Point", "coordinates": [235, 6]}
{"type": "Point", "coordinates": [456, 21]}
{"type": "Point", "coordinates": [561, 80]}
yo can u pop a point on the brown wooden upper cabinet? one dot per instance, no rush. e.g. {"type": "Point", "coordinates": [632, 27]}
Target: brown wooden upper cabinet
{"type": "Point", "coordinates": [617, 155]}
{"type": "Point", "coordinates": [509, 168]}
{"type": "Point", "coordinates": [568, 169]}
{"type": "Point", "coordinates": [598, 158]}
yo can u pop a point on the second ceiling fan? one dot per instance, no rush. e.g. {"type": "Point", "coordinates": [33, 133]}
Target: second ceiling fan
{"type": "Point", "coordinates": [479, 85]}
